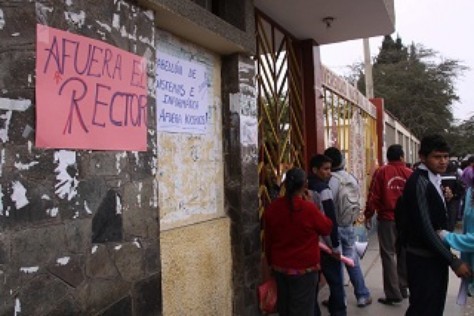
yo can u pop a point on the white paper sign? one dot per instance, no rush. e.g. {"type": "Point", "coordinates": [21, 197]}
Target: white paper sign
{"type": "Point", "coordinates": [182, 96]}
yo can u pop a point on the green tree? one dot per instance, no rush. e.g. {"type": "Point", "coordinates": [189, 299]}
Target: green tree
{"type": "Point", "coordinates": [416, 84]}
{"type": "Point", "coordinates": [461, 138]}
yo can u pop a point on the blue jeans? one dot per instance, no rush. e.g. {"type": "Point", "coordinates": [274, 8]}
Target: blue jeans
{"type": "Point", "coordinates": [356, 276]}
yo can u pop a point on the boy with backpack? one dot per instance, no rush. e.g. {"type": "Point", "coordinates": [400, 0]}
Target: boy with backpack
{"type": "Point", "coordinates": [346, 193]}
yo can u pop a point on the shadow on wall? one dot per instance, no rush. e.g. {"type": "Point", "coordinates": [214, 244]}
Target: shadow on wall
{"type": "Point", "coordinates": [107, 223]}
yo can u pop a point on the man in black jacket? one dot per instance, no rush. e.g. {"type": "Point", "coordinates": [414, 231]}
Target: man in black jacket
{"type": "Point", "coordinates": [427, 257]}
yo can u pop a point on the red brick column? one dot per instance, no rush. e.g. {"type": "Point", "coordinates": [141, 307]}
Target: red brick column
{"type": "Point", "coordinates": [312, 98]}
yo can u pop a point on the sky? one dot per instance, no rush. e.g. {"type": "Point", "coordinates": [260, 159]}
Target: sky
{"type": "Point", "coordinates": [444, 26]}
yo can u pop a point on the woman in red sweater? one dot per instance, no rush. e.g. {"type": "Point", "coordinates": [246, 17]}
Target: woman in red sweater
{"type": "Point", "coordinates": [292, 229]}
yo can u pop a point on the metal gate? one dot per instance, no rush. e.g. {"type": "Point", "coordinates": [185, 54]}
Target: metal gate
{"type": "Point", "coordinates": [280, 105]}
{"type": "Point", "coordinates": [351, 125]}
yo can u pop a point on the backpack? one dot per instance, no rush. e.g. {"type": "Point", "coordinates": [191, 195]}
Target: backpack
{"type": "Point", "coordinates": [347, 200]}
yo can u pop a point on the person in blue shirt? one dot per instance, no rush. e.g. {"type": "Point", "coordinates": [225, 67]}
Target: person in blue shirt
{"type": "Point", "coordinates": [330, 265]}
{"type": "Point", "coordinates": [464, 242]}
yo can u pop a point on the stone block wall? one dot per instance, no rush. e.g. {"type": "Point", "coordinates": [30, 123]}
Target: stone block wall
{"type": "Point", "coordinates": [79, 229]}
{"type": "Point", "coordinates": [240, 121]}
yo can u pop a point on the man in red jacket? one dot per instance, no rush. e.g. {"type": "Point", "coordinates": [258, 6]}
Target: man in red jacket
{"type": "Point", "coordinates": [386, 187]}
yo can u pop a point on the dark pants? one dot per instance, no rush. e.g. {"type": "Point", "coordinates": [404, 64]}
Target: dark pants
{"type": "Point", "coordinates": [453, 210]}
{"type": "Point", "coordinates": [333, 273]}
{"type": "Point", "coordinates": [428, 284]}
{"type": "Point", "coordinates": [296, 293]}
{"type": "Point", "coordinates": [393, 265]}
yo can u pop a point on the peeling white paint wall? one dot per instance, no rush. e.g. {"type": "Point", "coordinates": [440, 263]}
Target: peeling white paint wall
{"type": "Point", "coordinates": [14, 105]}
{"type": "Point", "coordinates": [2, 160]}
{"type": "Point", "coordinates": [66, 186]}
{"type": "Point", "coordinates": [2, 20]}
{"type": "Point", "coordinates": [247, 107]}
{"type": "Point", "coordinates": [22, 166]}
{"type": "Point", "coordinates": [139, 196]}
{"type": "Point", "coordinates": [29, 270]}
{"type": "Point", "coordinates": [154, 198]}
{"type": "Point", "coordinates": [1, 201]}
{"type": "Point", "coordinates": [19, 195]}
{"type": "Point", "coordinates": [17, 311]}
{"type": "Point", "coordinates": [94, 249]}
{"type": "Point", "coordinates": [118, 161]}
{"type": "Point", "coordinates": [6, 117]}
{"type": "Point", "coordinates": [118, 209]}
{"type": "Point", "coordinates": [62, 261]}
{"type": "Point", "coordinates": [137, 242]}
{"type": "Point", "coordinates": [86, 208]}
{"type": "Point", "coordinates": [104, 26]}
{"type": "Point", "coordinates": [53, 212]}
{"type": "Point", "coordinates": [76, 18]}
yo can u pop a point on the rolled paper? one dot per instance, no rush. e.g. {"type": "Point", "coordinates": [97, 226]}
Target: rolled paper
{"type": "Point", "coordinates": [361, 248]}
{"type": "Point", "coordinates": [347, 261]}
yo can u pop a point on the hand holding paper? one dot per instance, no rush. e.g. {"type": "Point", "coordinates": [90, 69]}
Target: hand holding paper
{"type": "Point", "coordinates": [344, 259]}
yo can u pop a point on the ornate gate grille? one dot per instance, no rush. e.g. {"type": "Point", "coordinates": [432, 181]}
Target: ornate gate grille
{"type": "Point", "coordinates": [350, 124]}
{"type": "Point", "coordinates": [280, 104]}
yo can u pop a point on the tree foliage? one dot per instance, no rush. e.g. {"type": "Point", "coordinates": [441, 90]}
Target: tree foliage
{"type": "Point", "coordinates": [461, 138]}
{"type": "Point", "coordinates": [417, 85]}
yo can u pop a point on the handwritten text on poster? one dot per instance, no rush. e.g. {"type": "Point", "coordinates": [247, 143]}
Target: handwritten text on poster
{"type": "Point", "coordinates": [89, 94]}
{"type": "Point", "coordinates": [181, 95]}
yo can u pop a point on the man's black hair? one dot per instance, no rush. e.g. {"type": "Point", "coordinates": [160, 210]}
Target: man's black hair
{"type": "Point", "coordinates": [395, 152]}
{"type": "Point", "coordinates": [470, 159]}
{"type": "Point", "coordinates": [318, 160]}
{"type": "Point", "coordinates": [432, 143]}
{"type": "Point", "coordinates": [335, 155]}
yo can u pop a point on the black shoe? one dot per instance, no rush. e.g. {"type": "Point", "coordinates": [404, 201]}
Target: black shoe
{"type": "Point", "coordinates": [389, 301]}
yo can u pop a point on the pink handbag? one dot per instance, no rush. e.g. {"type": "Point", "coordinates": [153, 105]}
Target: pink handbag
{"type": "Point", "coordinates": [267, 296]}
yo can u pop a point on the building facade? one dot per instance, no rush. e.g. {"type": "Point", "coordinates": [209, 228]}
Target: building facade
{"type": "Point", "coordinates": [131, 158]}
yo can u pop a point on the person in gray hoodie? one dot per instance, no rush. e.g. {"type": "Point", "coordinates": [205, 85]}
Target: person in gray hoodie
{"type": "Point", "coordinates": [346, 228]}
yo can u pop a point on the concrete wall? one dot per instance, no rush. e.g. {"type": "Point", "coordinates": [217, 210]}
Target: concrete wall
{"type": "Point", "coordinates": [78, 228]}
{"type": "Point", "coordinates": [396, 133]}
{"type": "Point", "coordinates": [390, 135]}
{"type": "Point", "coordinates": [225, 34]}
{"type": "Point", "coordinates": [197, 269]}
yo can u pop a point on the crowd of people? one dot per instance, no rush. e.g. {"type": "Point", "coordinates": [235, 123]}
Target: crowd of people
{"type": "Point", "coordinates": [310, 230]}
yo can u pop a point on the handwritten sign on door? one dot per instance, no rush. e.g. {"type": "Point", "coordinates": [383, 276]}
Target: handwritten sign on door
{"type": "Point", "coordinates": [182, 96]}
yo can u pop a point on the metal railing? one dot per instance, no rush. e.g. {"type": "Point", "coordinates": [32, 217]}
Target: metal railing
{"type": "Point", "coordinates": [350, 123]}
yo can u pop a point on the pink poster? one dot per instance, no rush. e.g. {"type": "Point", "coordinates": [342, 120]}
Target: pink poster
{"type": "Point", "coordinates": [89, 94]}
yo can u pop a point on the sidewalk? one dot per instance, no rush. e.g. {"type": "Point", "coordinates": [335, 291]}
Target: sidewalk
{"type": "Point", "coordinates": [372, 268]}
